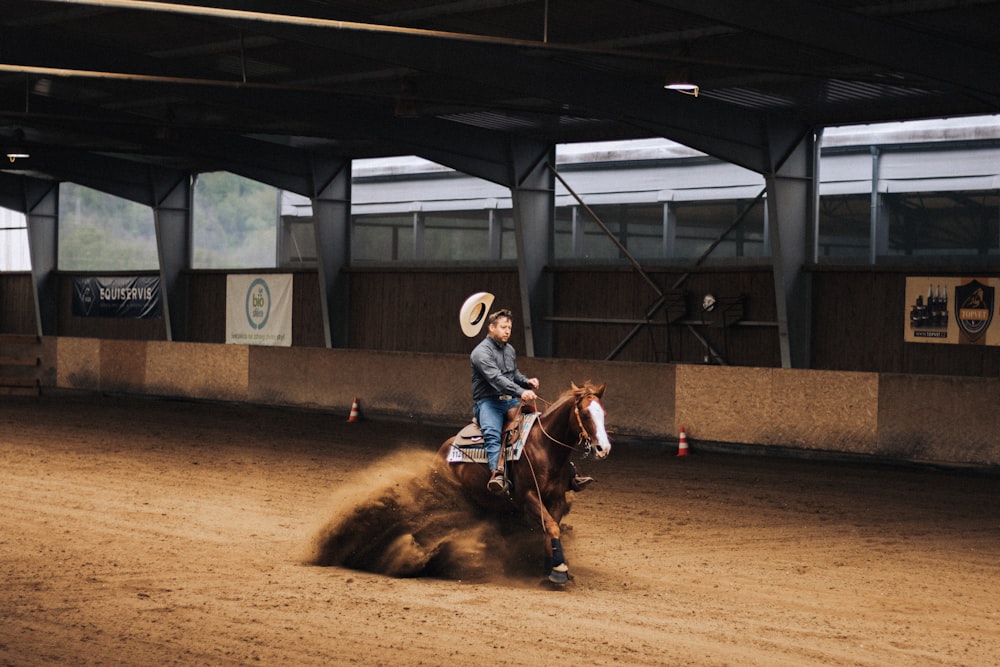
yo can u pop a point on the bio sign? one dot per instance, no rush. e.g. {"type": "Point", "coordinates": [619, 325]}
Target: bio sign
{"type": "Point", "coordinates": [259, 309]}
{"type": "Point", "coordinates": [952, 310]}
{"type": "Point", "coordinates": [258, 306]}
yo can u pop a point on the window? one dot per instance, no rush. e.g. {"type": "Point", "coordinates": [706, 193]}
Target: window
{"type": "Point", "coordinates": [577, 236]}
{"type": "Point", "coordinates": [459, 236]}
{"type": "Point", "coordinates": [382, 238]}
{"type": "Point", "coordinates": [455, 236]}
{"type": "Point", "coordinates": [638, 227]}
{"type": "Point", "coordinates": [297, 243]}
{"type": "Point", "coordinates": [100, 232]}
{"type": "Point", "coordinates": [943, 223]}
{"type": "Point", "coordinates": [641, 229]}
{"type": "Point", "coordinates": [700, 224]}
{"type": "Point", "coordinates": [844, 227]}
{"type": "Point", "coordinates": [14, 254]}
{"type": "Point", "coordinates": [234, 223]}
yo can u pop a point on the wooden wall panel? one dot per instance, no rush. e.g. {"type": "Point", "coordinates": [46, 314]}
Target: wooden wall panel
{"type": "Point", "coordinates": [598, 293]}
{"type": "Point", "coordinates": [857, 315]}
{"type": "Point", "coordinates": [857, 325]}
{"type": "Point", "coordinates": [307, 311]}
{"type": "Point", "coordinates": [417, 310]}
{"type": "Point", "coordinates": [17, 304]}
{"type": "Point", "coordinates": [206, 293]}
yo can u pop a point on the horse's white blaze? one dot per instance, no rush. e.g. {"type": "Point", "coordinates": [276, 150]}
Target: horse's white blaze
{"type": "Point", "coordinates": [603, 444]}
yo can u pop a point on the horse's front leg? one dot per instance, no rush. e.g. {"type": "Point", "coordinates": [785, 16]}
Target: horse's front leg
{"type": "Point", "coordinates": [556, 568]}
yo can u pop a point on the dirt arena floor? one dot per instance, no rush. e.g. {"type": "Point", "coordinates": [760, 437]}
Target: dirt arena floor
{"type": "Point", "coordinates": [149, 532]}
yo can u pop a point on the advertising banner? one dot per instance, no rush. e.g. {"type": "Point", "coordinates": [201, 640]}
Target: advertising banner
{"type": "Point", "coordinates": [958, 311]}
{"type": "Point", "coordinates": [259, 310]}
{"type": "Point", "coordinates": [122, 296]}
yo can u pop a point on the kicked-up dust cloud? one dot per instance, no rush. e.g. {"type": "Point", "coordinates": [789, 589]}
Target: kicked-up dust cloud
{"type": "Point", "coordinates": [406, 516]}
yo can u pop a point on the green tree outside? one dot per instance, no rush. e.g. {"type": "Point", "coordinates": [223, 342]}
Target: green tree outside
{"type": "Point", "coordinates": [234, 226]}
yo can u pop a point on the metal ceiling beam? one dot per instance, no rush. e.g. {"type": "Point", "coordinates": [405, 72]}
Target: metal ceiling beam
{"type": "Point", "coordinates": [571, 80]}
{"type": "Point", "coordinates": [127, 179]}
{"type": "Point", "coordinates": [472, 150]}
{"type": "Point", "coordinates": [736, 135]}
{"type": "Point", "coordinates": [305, 20]}
{"type": "Point", "coordinates": [21, 193]}
{"type": "Point", "coordinates": [881, 42]}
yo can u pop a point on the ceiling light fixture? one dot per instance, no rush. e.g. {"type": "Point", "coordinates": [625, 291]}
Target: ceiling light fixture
{"type": "Point", "coordinates": [679, 76]}
{"type": "Point", "coordinates": [15, 150]}
{"type": "Point", "coordinates": [684, 87]}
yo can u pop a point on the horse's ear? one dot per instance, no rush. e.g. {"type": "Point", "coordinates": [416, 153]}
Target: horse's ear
{"type": "Point", "coordinates": [573, 386]}
{"type": "Point", "coordinates": [599, 392]}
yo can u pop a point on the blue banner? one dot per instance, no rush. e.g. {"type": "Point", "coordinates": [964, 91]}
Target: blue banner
{"type": "Point", "coordinates": [136, 297]}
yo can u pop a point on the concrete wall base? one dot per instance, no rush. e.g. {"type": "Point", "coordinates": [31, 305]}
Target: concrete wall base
{"type": "Point", "coordinates": [907, 418]}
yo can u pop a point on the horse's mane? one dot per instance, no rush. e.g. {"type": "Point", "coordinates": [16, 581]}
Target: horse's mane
{"type": "Point", "coordinates": [587, 389]}
{"type": "Point", "coordinates": [575, 394]}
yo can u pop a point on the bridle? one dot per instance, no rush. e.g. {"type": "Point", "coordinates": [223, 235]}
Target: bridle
{"type": "Point", "coordinates": [585, 442]}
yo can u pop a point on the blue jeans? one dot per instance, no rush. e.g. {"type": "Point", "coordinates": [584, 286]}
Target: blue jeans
{"type": "Point", "coordinates": [490, 413]}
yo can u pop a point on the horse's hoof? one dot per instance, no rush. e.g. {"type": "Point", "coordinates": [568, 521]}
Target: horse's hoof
{"type": "Point", "coordinates": [559, 578]}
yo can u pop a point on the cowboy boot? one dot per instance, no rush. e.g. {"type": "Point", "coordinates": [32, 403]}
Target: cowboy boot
{"type": "Point", "coordinates": [498, 483]}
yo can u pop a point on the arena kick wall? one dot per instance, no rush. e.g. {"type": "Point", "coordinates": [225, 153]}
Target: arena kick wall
{"type": "Point", "coordinates": [908, 418]}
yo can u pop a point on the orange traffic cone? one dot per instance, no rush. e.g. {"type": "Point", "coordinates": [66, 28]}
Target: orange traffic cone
{"type": "Point", "coordinates": [354, 411]}
{"type": "Point", "coordinates": [682, 444]}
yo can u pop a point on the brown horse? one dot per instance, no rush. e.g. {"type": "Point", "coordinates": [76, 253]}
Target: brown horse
{"type": "Point", "coordinates": [540, 479]}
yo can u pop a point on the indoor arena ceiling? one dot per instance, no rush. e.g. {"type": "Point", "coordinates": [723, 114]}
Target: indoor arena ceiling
{"type": "Point", "coordinates": [261, 87]}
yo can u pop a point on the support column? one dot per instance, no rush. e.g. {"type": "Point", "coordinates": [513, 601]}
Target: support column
{"type": "Point", "coordinates": [791, 188]}
{"type": "Point", "coordinates": [533, 195]}
{"type": "Point", "coordinates": [578, 236]}
{"type": "Point", "coordinates": [41, 208]}
{"type": "Point", "coordinates": [669, 229]}
{"type": "Point", "coordinates": [331, 206]}
{"type": "Point", "coordinates": [172, 218]}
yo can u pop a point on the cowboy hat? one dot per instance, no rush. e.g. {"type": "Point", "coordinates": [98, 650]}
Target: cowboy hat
{"type": "Point", "coordinates": [473, 313]}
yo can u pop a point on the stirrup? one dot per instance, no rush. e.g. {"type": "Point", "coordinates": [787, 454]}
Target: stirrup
{"type": "Point", "coordinates": [577, 482]}
{"type": "Point", "coordinates": [497, 484]}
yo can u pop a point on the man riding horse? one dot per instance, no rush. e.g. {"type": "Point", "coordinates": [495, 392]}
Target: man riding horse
{"type": "Point", "coordinates": [498, 386]}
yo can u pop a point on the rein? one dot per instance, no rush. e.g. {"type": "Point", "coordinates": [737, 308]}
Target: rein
{"type": "Point", "coordinates": [584, 443]}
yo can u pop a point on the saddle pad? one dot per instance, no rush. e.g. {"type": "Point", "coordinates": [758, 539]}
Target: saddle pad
{"type": "Point", "coordinates": [477, 453]}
